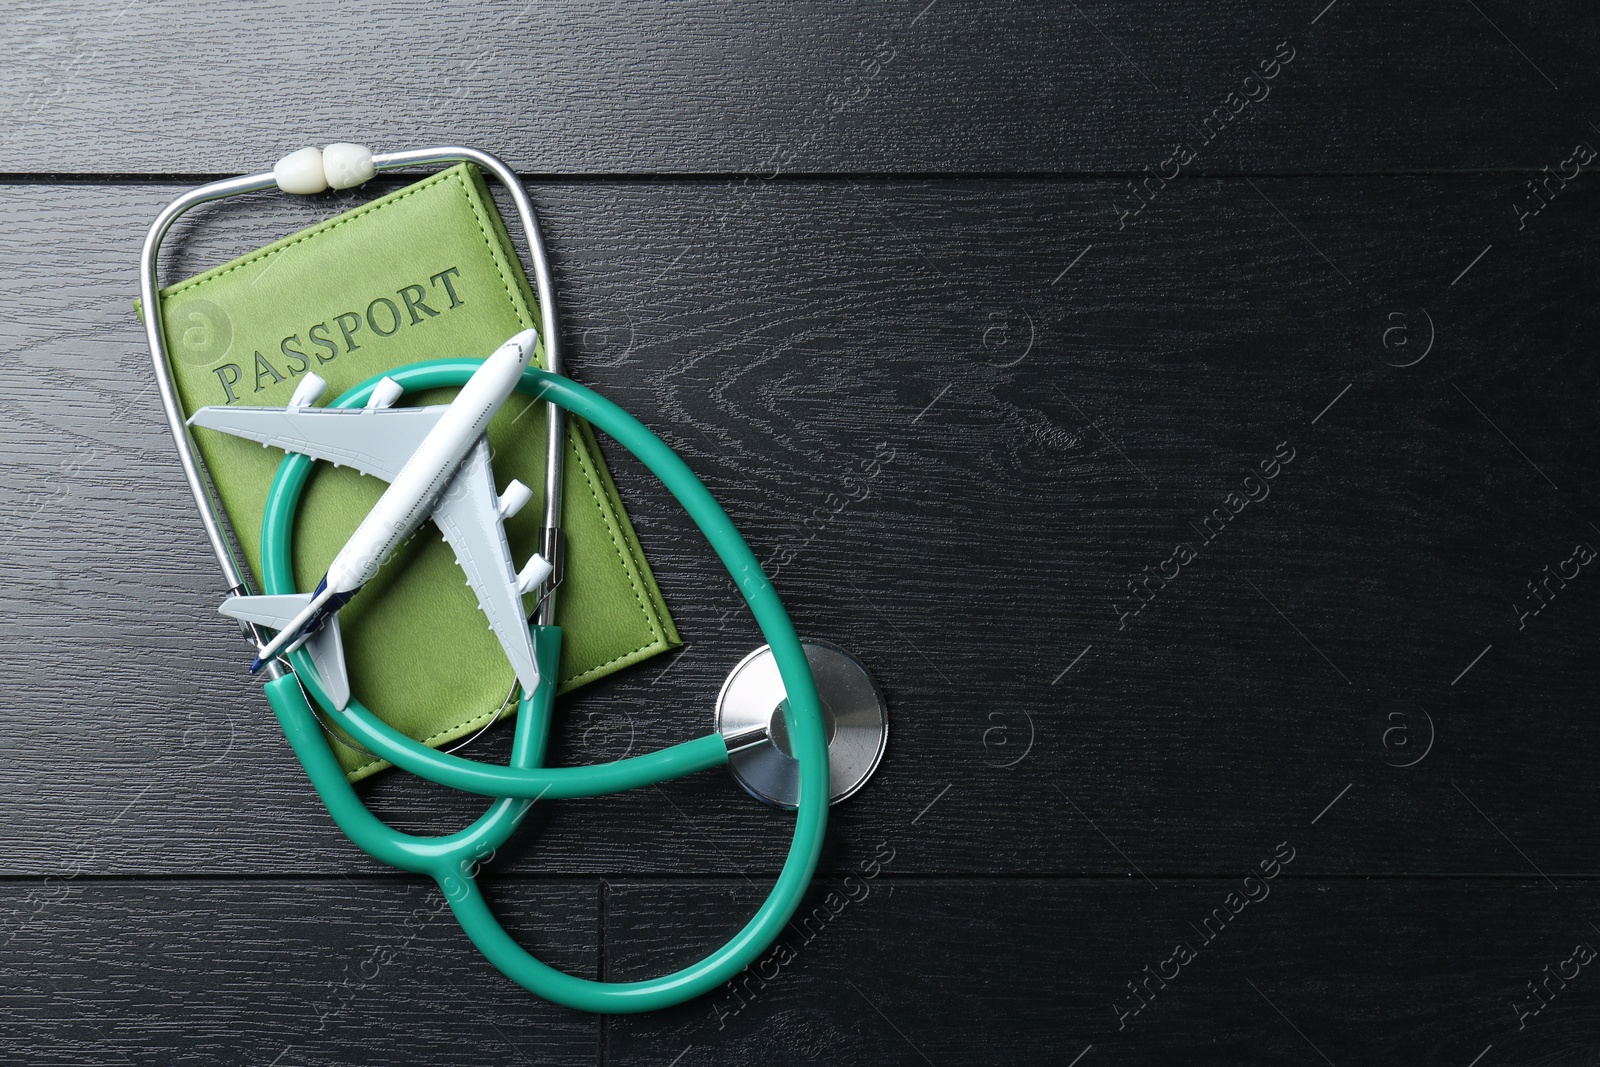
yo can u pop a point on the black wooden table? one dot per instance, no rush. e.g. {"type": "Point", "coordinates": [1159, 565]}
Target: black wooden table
{"type": "Point", "coordinates": [1185, 411]}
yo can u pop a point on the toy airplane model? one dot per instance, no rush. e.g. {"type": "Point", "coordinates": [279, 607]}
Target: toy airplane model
{"type": "Point", "coordinates": [436, 461]}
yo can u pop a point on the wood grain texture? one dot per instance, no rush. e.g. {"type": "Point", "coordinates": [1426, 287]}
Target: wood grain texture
{"type": "Point", "coordinates": [904, 87]}
{"type": "Point", "coordinates": [901, 970]}
{"type": "Point", "coordinates": [995, 971]}
{"type": "Point", "coordinates": [281, 971]}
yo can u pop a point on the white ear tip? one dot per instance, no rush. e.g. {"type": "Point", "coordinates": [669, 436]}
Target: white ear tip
{"type": "Point", "coordinates": [347, 165]}
{"type": "Point", "coordinates": [301, 172]}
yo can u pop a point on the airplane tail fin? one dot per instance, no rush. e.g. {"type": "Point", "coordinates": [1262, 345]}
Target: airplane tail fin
{"type": "Point", "coordinates": [325, 646]}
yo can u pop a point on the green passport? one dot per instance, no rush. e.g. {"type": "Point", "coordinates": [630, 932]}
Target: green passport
{"type": "Point", "coordinates": [425, 272]}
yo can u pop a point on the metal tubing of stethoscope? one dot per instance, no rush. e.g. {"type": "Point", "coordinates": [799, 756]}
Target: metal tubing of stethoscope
{"type": "Point", "coordinates": [149, 291]}
{"type": "Point", "coordinates": [149, 294]}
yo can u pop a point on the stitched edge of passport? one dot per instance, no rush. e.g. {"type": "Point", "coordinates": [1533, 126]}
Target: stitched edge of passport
{"type": "Point", "coordinates": [657, 605]}
{"type": "Point", "coordinates": [461, 175]}
{"type": "Point", "coordinates": [497, 254]}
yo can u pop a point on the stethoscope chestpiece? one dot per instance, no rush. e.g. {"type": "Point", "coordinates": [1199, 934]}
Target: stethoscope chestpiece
{"type": "Point", "coordinates": [750, 717]}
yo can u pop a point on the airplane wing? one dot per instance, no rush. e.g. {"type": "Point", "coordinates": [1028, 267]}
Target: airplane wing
{"type": "Point", "coordinates": [468, 514]}
{"type": "Point", "coordinates": [375, 441]}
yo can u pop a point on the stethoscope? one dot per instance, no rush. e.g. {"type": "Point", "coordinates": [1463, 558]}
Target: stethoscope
{"type": "Point", "coordinates": [785, 744]}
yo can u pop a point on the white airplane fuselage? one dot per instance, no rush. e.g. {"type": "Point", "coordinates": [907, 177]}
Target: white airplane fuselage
{"type": "Point", "coordinates": [410, 498]}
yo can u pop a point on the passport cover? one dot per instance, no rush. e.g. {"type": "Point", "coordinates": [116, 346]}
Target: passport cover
{"type": "Point", "coordinates": [425, 272]}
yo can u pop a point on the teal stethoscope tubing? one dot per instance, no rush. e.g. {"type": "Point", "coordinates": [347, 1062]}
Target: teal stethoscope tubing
{"type": "Point", "coordinates": [451, 860]}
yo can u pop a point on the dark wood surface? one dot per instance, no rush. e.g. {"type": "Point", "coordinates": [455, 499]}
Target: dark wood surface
{"type": "Point", "coordinates": [793, 240]}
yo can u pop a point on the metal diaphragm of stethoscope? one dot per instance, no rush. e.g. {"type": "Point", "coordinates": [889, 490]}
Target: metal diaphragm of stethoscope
{"type": "Point", "coordinates": [798, 723]}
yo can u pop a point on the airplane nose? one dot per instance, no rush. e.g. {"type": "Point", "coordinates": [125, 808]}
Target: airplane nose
{"type": "Point", "coordinates": [527, 340]}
